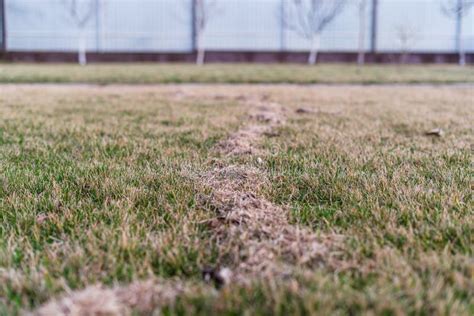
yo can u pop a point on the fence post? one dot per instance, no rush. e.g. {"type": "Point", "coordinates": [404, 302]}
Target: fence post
{"type": "Point", "coordinates": [374, 27]}
{"type": "Point", "coordinates": [193, 27]}
{"type": "Point", "coordinates": [3, 27]}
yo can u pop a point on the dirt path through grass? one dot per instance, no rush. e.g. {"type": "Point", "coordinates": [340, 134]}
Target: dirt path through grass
{"type": "Point", "coordinates": [254, 232]}
{"type": "Point", "coordinates": [254, 236]}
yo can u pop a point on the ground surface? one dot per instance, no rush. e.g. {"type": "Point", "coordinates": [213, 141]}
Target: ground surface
{"type": "Point", "coordinates": [316, 199]}
{"type": "Point", "coordinates": [238, 73]}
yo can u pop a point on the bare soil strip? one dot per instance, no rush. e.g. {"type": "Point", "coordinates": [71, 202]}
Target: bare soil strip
{"type": "Point", "coordinates": [255, 237]}
{"type": "Point", "coordinates": [255, 233]}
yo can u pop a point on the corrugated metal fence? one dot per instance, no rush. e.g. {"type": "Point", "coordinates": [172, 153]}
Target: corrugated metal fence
{"type": "Point", "coordinates": [233, 25]}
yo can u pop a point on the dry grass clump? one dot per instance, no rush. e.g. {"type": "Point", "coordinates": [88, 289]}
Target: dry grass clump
{"type": "Point", "coordinates": [254, 234]}
{"type": "Point", "coordinates": [263, 118]}
{"type": "Point", "coordinates": [90, 301]}
{"type": "Point", "coordinates": [142, 298]}
{"type": "Point", "coordinates": [242, 141]}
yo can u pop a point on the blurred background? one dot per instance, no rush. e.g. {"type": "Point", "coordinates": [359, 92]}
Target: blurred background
{"type": "Point", "coordinates": [175, 27]}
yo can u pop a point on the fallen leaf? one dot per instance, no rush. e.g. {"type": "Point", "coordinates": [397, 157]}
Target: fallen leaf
{"type": "Point", "coordinates": [304, 111]}
{"type": "Point", "coordinates": [438, 132]}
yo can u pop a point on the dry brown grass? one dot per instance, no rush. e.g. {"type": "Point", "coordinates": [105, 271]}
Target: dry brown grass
{"type": "Point", "coordinates": [254, 234]}
{"type": "Point", "coordinates": [267, 116]}
{"type": "Point", "coordinates": [139, 297]}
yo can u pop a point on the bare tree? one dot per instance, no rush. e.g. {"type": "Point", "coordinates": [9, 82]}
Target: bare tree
{"type": "Point", "coordinates": [362, 6]}
{"type": "Point", "coordinates": [312, 17]}
{"type": "Point", "coordinates": [457, 9]}
{"type": "Point", "coordinates": [407, 36]}
{"type": "Point", "coordinates": [81, 12]}
{"type": "Point", "coordinates": [202, 12]}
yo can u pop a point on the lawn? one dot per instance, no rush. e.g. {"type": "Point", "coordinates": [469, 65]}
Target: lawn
{"type": "Point", "coordinates": [238, 73]}
{"type": "Point", "coordinates": [119, 185]}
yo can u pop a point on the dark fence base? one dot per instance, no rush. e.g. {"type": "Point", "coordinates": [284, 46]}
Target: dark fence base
{"type": "Point", "coordinates": [235, 57]}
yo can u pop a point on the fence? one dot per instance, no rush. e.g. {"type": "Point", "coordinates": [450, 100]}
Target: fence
{"type": "Point", "coordinates": [2, 26]}
{"type": "Point", "coordinates": [233, 25]}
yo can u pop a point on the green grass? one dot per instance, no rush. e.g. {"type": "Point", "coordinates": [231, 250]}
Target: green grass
{"type": "Point", "coordinates": [404, 200]}
{"type": "Point", "coordinates": [94, 188]}
{"type": "Point", "coordinates": [91, 189]}
{"type": "Point", "coordinates": [228, 73]}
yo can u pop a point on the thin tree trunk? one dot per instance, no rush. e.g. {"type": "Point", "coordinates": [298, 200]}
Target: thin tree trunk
{"type": "Point", "coordinates": [282, 25]}
{"type": "Point", "coordinates": [459, 44]}
{"type": "Point", "coordinates": [404, 57]}
{"type": "Point", "coordinates": [462, 57]}
{"type": "Point", "coordinates": [362, 29]}
{"type": "Point", "coordinates": [97, 24]}
{"type": "Point", "coordinates": [462, 53]}
{"type": "Point", "coordinates": [201, 52]}
{"type": "Point", "coordinates": [82, 55]}
{"type": "Point", "coordinates": [315, 45]}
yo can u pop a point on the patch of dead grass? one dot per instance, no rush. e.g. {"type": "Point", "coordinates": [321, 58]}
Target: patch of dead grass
{"type": "Point", "coordinates": [256, 235]}
{"type": "Point", "coordinates": [143, 298]}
